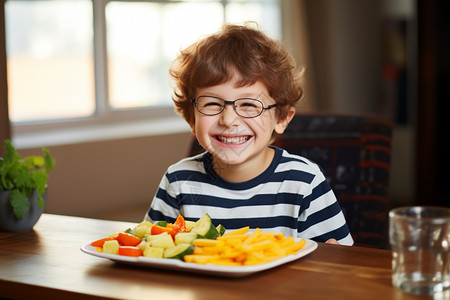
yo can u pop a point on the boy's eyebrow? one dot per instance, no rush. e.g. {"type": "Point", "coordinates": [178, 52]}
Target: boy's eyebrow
{"type": "Point", "coordinates": [258, 96]}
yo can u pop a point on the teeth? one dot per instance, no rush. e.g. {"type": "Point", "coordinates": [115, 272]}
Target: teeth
{"type": "Point", "coordinates": [233, 140]}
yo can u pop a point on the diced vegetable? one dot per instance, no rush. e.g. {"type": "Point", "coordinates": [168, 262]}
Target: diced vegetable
{"type": "Point", "coordinates": [158, 230]}
{"type": "Point", "coordinates": [142, 229]}
{"type": "Point", "coordinates": [130, 251]}
{"type": "Point", "coordinates": [100, 242]}
{"type": "Point", "coordinates": [220, 229]}
{"type": "Point", "coordinates": [178, 251]}
{"type": "Point", "coordinates": [164, 241]}
{"type": "Point", "coordinates": [150, 237]}
{"type": "Point", "coordinates": [145, 223]}
{"type": "Point", "coordinates": [130, 231]}
{"type": "Point", "coordinates": [143, 244]}
{"type": "Point", "coordinates": [186, 237]}
{"type": "Point", "coordinates": [127, 239]}
{"type": "Point", "coordinates": [172, 229]}
{"type": "Point", "coordinates": [205, 227]}
{"type": "Point", "coordinates": [111, 247]}
{"type": "Point", "coordinates": [161, 223]}
{"type": "Point", "coordinates": [155, 252]}
{"type": "Point", "coordinates": [189, 225]}
{"type": "Point", "coordinates": [179, 225]}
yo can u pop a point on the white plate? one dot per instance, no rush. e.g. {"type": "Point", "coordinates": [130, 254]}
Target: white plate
{"type": "Point", "coordinates": [175, 264]}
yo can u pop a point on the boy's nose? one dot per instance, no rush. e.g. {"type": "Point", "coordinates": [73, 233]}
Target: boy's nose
{"type": "Point", "coordinates": [229, 117]}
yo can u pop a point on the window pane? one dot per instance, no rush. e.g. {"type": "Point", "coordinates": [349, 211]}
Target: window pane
{"type": "Point", "coordinates": [142, 41]}
{"type": "Point", "coordinates": [49, 59]}
{"type": "Point", "coordinates": [265, 12]}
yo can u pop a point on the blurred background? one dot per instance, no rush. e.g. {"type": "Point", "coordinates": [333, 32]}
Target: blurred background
{"type": "Point", "coordinates": [88, 79]}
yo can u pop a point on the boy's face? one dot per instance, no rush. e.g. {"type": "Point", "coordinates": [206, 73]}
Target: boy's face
{"type": "Point", "coordinates": [231, 138]}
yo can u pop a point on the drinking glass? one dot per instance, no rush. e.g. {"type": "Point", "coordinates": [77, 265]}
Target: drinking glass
{"type": "Point", "coordinates": [420, 241]}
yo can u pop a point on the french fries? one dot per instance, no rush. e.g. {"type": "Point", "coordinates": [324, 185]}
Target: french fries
{"type": "Point", "coordinates": [240, 248]}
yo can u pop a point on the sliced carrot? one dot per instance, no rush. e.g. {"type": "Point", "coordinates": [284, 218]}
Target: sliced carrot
{"type": "Point", "coordinates": [100, 242]}
{"type": "Point", "coordinates": [126, 239]}
{"type": "Point", "coordinates": [158, 230]}
{"type": "Point", "coordinates": [130, 251]}
{"type": "Point", "coordinates": [179, 225]}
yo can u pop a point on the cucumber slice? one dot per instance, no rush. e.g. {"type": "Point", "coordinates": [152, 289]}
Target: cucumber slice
{"type": "Point", "coordinates": [189, 225]}
{"type": "Point", "coordinates": [179, 251]}
{"type": "Point", "coordinates": [186, 237]}
{"type": "Point", "coordinates": [220, 229]}
{"type": "Point", "coordinates": [205, 227]}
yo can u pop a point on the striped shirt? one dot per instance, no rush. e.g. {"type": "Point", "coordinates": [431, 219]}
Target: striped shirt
{"type": "Point", "coordinates": [291, 196]}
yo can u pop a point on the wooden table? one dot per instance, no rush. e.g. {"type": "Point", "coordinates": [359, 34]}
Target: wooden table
{"type": "Point", "coordinates": [46, 263]}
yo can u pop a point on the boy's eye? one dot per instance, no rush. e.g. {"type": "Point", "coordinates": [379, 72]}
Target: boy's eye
{"type": "Point", "coordinates": [248, 104]}
{"type": "Point", "coordinates": [212, 104]}
{"type": "Point", "coordinates": [206, 101]}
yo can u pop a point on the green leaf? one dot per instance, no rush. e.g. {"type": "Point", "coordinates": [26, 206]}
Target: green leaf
{"type": "Point", "coordinates": [11, 154]}
{"type": "Point", "coordinates": [49, 162]}
{"type": "Point", "coordinates": [22, 178]}
{"type": "Point", "coordinates": [39, 180]}
{"type": "Point", "coordinates": [40, 201]}
{"type": "Point", "coordinates": [34, 161]}
{"type": "Point", "coordinates": [19, 203]}
{"type": "Point", "coordinates": [8, 165]}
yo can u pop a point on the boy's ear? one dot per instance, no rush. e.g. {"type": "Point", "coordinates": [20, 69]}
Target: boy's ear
{"type": "Point", "coordinates": [192, 127]}
{"type": "Point", "coordinates": [283, 123]}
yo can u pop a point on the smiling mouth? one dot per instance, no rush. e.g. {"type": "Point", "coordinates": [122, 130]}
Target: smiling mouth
{"type": "Point", "coordinates": [236, 140]}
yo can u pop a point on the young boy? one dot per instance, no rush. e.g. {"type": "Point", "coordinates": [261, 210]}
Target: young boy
{"type": "Point", "coordinates": [237, 90]}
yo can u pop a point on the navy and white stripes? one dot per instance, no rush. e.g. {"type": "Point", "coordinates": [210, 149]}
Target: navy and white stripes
{"type": "Point", "coordinates": [291, 196]}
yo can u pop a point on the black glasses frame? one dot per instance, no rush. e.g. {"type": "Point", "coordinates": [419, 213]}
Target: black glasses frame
{"type": "Point", "coordinates": [225, 102]}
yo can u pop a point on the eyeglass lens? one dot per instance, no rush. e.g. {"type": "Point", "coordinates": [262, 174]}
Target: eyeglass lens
{"type": "Point", "coordinates": [245, 107]}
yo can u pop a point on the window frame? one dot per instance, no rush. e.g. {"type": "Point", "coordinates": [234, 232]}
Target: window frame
{"type": "Point", "coordinates": [103, 113]}
{"type": "Point", "coordinates": [153, 120]}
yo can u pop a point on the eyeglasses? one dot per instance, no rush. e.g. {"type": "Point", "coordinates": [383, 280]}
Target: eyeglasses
{"type": "Point", "coordinates": [244, 107]}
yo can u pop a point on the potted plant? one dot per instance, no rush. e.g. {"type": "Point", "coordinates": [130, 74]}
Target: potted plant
{"type": "Point", "coordinates": [23, 188]}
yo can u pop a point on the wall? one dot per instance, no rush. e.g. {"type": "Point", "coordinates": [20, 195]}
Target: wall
{"type": "Point", "coordinates": [346, 53]}
{"type": "Point", "coordinates": [113, 179]}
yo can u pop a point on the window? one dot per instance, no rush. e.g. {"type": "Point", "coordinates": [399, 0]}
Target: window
{"type": "Point", "coordinates": [50, 65]}
{"type": "Point", "coordinates": [85, 63]}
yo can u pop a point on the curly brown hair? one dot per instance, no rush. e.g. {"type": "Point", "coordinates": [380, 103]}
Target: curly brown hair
{"type": "Point", "coordinates": [215, 59]}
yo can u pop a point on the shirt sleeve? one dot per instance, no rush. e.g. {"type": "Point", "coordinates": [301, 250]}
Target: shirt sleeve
{"type": "Point", "coordinates": [165, 205]}
{"type": "Point", "coordinates": [321, 217]}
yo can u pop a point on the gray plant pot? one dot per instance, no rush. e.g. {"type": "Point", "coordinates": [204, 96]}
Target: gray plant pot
{"type": "Point", "coordinates": [9, 222]}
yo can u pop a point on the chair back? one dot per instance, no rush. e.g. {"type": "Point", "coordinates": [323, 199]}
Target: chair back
{"type": "Point", "coordinates": [354, 152]}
